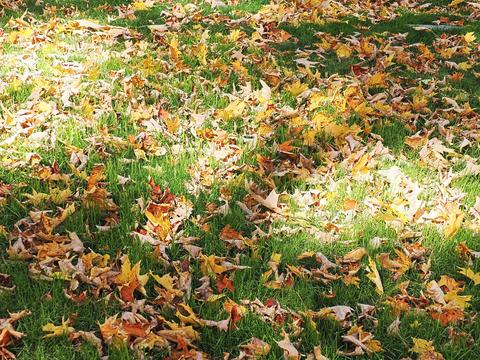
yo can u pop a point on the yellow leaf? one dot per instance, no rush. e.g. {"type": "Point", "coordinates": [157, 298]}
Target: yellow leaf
{"type": "Point", "coordinates": [129, 273]}
{"type": "Point", "coordinates": [361, 167]}
{"type": "Point", "coordinates": [309, 137]}
{"type": "Point", "coordinates": [462, 301]}
{"type": "Point", "coordinates": [343, 51]}
{"type": "Point", "coordinates": [58, 196]}
{"type": "Point", "coordinates": [69, 210]}
{"type": "Point", "coordinates": [453, 223]}
{"type": "Point", "coordinates": [94, 72]}
{"type": "Point", "coordinates": [166, 281]}
{"type": "Point", "coordinates": [321, 119]}
{"type": "Point", "coordinates": [373, 346]}
{"type": "Point", "coordinates": [421, 346]}
{"type": "Point", "coordinates": [455, 3]}
{"type": "Point", "coordinates": [173, 48]}
{"type": "Point", "coordinates": [276, 258]}
{"type": "Point", "coordinates": [335, 130]}
{"type": "Point", "coordinates": [296, 88]}
{"type": "Point", "coordinates": [186, 314]}
{"type": "Point", "coordinates": [87, 109]}
{"type": "Point", "coordinates": [142, 5]}
{"type": "Point", "coordinates": [420, 102]}
{"type": "Point", "coordinates": [374, 276]}
{"type": "Point", "coordinates": [469, 37]}
{"type": "Point", "coordinates": [234, 35]}
{"type": "Point", "coordinates": [364, 110]}
{"type": "Point", "coordinates": [416, 141]}
{"type": "Point", "coordinates": [57, 330]}
{"type": "Point", "coordinates": [36, 198]}
{"type": "Point", "coordinates": [173, 124]}
{"type": "Point", "coordinates": [389, 60]}
{"type": "Point", "coordinates": [317, 100]}
{"type": "Point", "coordinates": [265, 130]}
{"type": "Point", "coordinates": [160, 221]}
{"type": "Point", "coordinates": [208, 265]}
{"type": "Point", "coordinates": [201, 53]}
{"type": "Point", "coordinates": [355, 255]}
{"type": "Point", "coordinates": [469, 273]}
{"type": "Point", "coordinates": [234, 110]}
{"type": "Point", "coordinates": [377, 80]}
{"type": "Point", "coordinates": [43, 107]}
{"type": "Point", "coordinates": [239, 68]}
{"type": "Point", "coordinates": [464, 66]}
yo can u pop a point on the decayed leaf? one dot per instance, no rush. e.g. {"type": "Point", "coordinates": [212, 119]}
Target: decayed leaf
{"type": "Point", "coordinates": [290, 352]}
{"type": "Point", "coordinates": [363, 342]}
{"type": "Point", "coordinates": [6, 283]}
{"type": "Point", "coordinates": [254, 349]}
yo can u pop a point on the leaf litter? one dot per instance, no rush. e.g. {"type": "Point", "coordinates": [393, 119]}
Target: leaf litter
{"type": "Point", "coordinates": [273, 139]}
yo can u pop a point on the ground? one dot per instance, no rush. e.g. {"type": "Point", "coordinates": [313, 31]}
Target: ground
{"type": "Point", "coordinates": [239, 179]}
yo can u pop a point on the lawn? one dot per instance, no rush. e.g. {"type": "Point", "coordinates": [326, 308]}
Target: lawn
{"type": "Point", "coordinates": [227, 179]}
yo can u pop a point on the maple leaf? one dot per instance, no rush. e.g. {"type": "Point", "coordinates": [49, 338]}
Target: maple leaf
{"type": "Point", "coordinates": [425, 350]}
{"type": "Point", "coordinates": [377, 80]}
{"type": "Point", "coordinates": [130, 280]}
{"type": "Point", "coordinates": [420, 103]}
{"type": "Point", "coordinates": [355, 255]}
{"type": "Point", "coordinates": [446, 315]}
{"type": "Point", "coordinates": [167, 282]}
{"type": "Point", "coordinates": [398, 266]}
{"type": "Point", "coordinates": [435, 292]}
{"type": "Point", "coordinates": [296, 88]}
{"type": "Point", "coordinates": [453, 298]}
{"type": "Point", "coordinates": [338, 312]}
{"type": "Point", "coordinates": [234, 110]}
{"type": "Point", "coordinates": [158, 216]}
{"type": "Point", "coordinates": [469, 37]}
{"type": "Point", "coordinates": [209, 266]}
{"type": "Point", "coordinates": [469, 273]}
{"type": "Point", "coordinates": [187, 316]}
{"type": "Point", "coordinates": [235, 311]}
{"type": "Point", "coordinates": [232, 237]}
{"type": "Point", "coordinates": [174, 51]}
{"type": "Point", "coordinates": [58, 330]}
{"type": "Point", "coordinates": [223, 282]}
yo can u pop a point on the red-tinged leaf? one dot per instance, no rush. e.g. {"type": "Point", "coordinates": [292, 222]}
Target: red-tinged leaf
{"type": "Point", "coordinates": [223, 282]}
